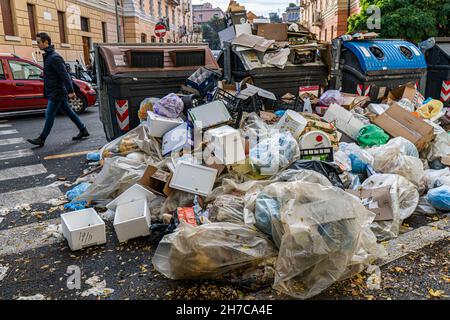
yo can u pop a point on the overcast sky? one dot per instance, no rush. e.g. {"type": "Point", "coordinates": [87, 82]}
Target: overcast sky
{"type": "Point", "coordinates": [260, 7]}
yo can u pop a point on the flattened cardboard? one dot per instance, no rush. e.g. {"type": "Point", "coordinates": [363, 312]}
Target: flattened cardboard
{"type": "Point", "coordinates": [352, 101]}
{"type": "Point", "coordinates": [157, 180]}
{"type": "Point", "coordinates": [273, 31]}
{"type": "Point", "coordinates": [377, 200]}
{"type": "Point", "coordinates": [446, 160]}
{"type": "Point", "coordinates": [398, 122]}
{"type": "Point", "coordinates": [407, 91]}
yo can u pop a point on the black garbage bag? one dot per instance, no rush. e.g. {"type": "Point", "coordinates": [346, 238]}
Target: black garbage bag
{"type": "Point", "coordinates": [329, 170]}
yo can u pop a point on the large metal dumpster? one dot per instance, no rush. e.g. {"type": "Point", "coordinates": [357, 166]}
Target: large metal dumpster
{"type": "Point", "coordinates": [438, 76]}
{"type": "Point", "coordinates": [373, 67]}
{"type": "Point", "coordinates": [129, 73]}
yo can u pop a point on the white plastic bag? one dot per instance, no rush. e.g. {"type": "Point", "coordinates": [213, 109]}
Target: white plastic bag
{"type": "Point", "coordinates": [404, 200]}
{"type": "Point", "coordinates": [437, 178]}
{"type": "Point", "coordinates": [441, 144]}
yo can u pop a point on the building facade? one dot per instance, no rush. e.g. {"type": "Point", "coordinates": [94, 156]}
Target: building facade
{"type": "Point", "coordinates": [327, 18]}
{"type": "Point", "coordinates": [205, 12]}
{"type": "Point", "coordinates": [75, 25]}
{"type": "Point", "coordinates": [292, 14]}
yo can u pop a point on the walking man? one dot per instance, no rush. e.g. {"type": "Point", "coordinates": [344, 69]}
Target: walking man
{"type": "Point", "coordinates": [58, 87]}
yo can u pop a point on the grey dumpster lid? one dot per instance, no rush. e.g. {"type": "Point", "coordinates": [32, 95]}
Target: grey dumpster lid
{"type": "Point", "coordinates": [445, 48]}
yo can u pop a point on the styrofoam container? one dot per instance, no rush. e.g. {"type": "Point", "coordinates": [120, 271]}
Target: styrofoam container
{"type": "Point", "coordinates": [83, 228]}
{"type": "Point", "coordinates": [209, 115]}
{"type": "Point", "coordinates": [176, 139]}
{"type": "Point", "coordinates": [134, 193]}
{"type": "Point", "coordinates": [193, 178]}
{"type": "Point", "coordinates": [293, 122]}
{"type": "Point", "coordinates": [159, 125]}
{"type": "Point", "coordinates": [132, 220]}
{"type": "Point", "coordinates": [227, 144]}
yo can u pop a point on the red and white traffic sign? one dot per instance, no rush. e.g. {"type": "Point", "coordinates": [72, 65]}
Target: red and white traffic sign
{"type": "Point", "coordinates": [160, 30]}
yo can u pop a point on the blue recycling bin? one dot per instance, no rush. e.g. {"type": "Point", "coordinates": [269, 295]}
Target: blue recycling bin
{"type": "Point", "coordinates": [373, 67]}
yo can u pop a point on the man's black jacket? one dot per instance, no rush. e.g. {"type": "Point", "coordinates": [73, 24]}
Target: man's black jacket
{"type": "Point", "coordinates": [57, 81]}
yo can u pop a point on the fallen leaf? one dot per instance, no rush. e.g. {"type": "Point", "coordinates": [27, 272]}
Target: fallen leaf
{"type": "Point", "coordinates": [436, 293]}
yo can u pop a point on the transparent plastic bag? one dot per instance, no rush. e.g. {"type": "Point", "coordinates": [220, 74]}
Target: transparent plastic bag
{"type": "Point", "coordinates": [441, 144]}
{"type": "Point", "coordinates": [117, 175]}
{"type": "Point", "coordinates": [323, 234]}
{"type": "Point", "coordinates": [404, 201]}
{"type": "Point", "coordinates": [437, 178]}
{"type": "Point", "coordinates": [359, 158]}
{"type": "Point", "coordinates": [392, 158]}
{"type": "Point", "coordinates": [273, 153]}
{"type": "Point", "coordinates": [424, 207]}
{"type": "Point", "coordinates": [211, 251]}
{"type": "Point", "coordinates": [228, 208]}
{"type": "Point", "coordinates": [331, 96]}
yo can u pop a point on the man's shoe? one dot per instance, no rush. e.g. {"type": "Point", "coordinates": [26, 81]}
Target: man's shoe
{"type": "Point", "coordinates": [37, 142]}
{"type": "Point", "coordinates": [83, 134]}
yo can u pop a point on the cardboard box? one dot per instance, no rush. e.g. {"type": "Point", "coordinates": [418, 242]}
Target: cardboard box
{"type": "Point", "coordinates": [157, 180]}
{"type": "Point", "coordinates": [353, 100]}
{"type": "Point", "coordinates": [407, 91]}
{"type": "Point", "coordinates": [83, 228]}
{"type": "Point", "coordinates": [132, 220]}
{"type": "Point", "coordinates": [398, 122]}
{"type": "Point", "coordinates": [293, 122]}
{"type": "Point", "coordinates": [446, 160]}
{"type": "Point", "coordinates": [377, 200]}
{"type": "Point", "coordinates": [273, 31]}
{"type": "Point", "coordinates": [344, 119]}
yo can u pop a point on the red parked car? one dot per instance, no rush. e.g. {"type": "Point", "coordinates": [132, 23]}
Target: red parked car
{"type": "Point", "coordinates": [22, 88]}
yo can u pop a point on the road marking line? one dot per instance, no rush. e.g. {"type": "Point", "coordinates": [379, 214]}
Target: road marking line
{"type": "Point", "coordinates": [13, 199]}
{"type": "Point", "coordinates": [28, 237]}
{"type": "Point", "coordinates": [5, 132]}
{"type": "Point", "coordinates": [416, 239]}
{"type": "Point", "coordinates": [5, 125]}
{"type": "Point", "coordinates": [20, 172]}
{"type": "Point", "coordinates": [68, 155]}
{"type": "Point", "coordinates": [14, 154]}
{"type": "Point", "coordinates": [4, 142]}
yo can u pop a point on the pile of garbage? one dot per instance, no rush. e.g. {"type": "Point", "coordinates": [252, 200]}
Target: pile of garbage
{"type": "Point", "coordinates": [260, 43]}
{"type": "Point", "coordinates": [235, 189]}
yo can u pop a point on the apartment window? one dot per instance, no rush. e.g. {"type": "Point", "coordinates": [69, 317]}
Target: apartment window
{"type": "Point", "coordinates": [32, 20]}
{"type": "Point", "coordinates": [325, 34]}
{"type": "Point", "coordinates": [167, 11]}
{"type": "Point", "coordinates": [104, 32]}
{"type": "Point", "coordinates": [143, 38]}
{"type": "Point", "coordinates": [173, 16]}
{"type": "Point", "coordinates": [332, 32]}
{"type": "Point", "coordinates": [159, 9]}
{"type": "Point", "coordinates": [62, 27]}
{"type": "Point", "coordinates": [153, 39]}
{"type": "Point", "coordinates": [8, 22]}
{"type": "Point", "coordinates": [84, 24]}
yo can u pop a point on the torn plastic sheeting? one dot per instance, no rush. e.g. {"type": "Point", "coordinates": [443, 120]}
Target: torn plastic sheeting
{"type": "Point", "coordinates": [404, 201]}
{"type": "Point", "coordinates": [211, 251]}
{"type": "Point", "coordinates": [324, 236]}
{"type": "Point", "coordinates": [77, 191]}
{"type": "Point", "coordinates": [117, 175]}
{"type": "Point", "coordinates": [329, 170]}
{"type": "Point", "coordinates": [228, 208]}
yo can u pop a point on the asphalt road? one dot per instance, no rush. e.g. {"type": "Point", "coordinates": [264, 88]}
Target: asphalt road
{"type": "Point", "coordinates": [33, 260]}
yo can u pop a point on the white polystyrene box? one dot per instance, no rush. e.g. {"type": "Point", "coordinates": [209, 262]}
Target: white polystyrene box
{"type": "Point", "coordinates": [158, 125]}
{"type": "Point", "coordinates": [209, 115]}
{"type": "Point", "coordinates": [227, 144]}
{"type": "Point", "coordinates": [134, 193]}
{"type": "Point", "coordinates": [132, 220]}
{"type": "Point", "coordinates": [193, 178]}
{"type": "Point", "coordinates": [83, 228]}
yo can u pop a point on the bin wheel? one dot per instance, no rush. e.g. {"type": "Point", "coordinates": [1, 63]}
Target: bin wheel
{"type": "Point", "coordinates": [78, 104]}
